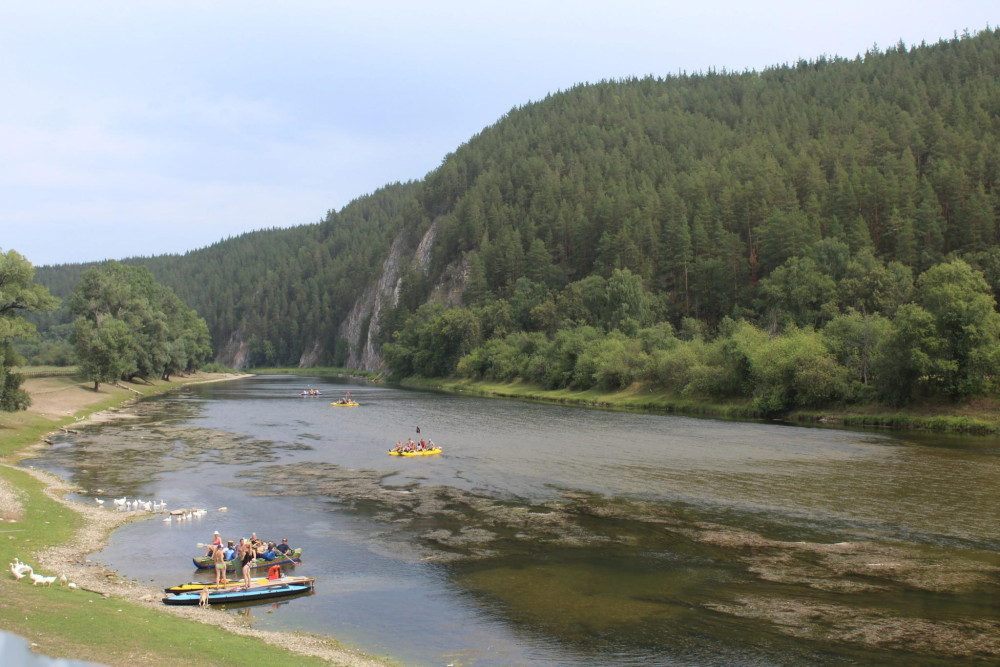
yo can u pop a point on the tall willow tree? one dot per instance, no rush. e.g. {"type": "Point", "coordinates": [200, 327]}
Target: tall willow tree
{"type": "Point", "coordinates": [128, 326]}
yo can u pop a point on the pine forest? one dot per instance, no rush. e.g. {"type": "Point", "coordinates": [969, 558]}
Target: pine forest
{"type": "Point", "coordinates": [823, 232]}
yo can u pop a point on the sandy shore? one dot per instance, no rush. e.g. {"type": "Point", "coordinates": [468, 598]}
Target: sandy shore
{"type": "Point", "coordinates": [71, 558]}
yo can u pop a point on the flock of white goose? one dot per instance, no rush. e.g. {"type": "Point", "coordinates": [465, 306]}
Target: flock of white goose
{"type": "Point", "coordinates": [135, 505]}
{"type": "Point", "coordinates": [124, 504]}
{"type": "Point", "coordinates": [21, 570]}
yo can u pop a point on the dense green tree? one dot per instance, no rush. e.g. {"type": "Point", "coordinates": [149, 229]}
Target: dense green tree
{"type": "Point", "coordinates": [797, 292]}
{"type": "Point", "coordinates": [163, 335]}
{"type": "Point", "coordinates": [910, 353]}
{"type": "Point", "coordinates": [106, 351]}
{"type": "Point", "coordinates": [795, 371]}
{"type": "Point", "coordinates": [966, 323]}
{"type": "Point", "coordinates": [18, 295]}
{"type": "Point", "coordinates": [855, 340]}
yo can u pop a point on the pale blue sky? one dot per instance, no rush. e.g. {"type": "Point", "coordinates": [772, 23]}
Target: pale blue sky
{"type": "Point", "coordinates": [136, 128]}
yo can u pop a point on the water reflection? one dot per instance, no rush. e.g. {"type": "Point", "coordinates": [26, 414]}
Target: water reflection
{"type": "Point", "coordinates": [555, 535]}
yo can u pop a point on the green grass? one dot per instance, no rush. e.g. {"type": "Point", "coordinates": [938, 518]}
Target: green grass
{"type": "Point", "coordinates": [971, 418]}
{"type": "Point", "coordinates": [636, 397]}
{"type": "Point", "coordinates": [46, 371]}
{"type": "Point", "coordinates": [84, 625]}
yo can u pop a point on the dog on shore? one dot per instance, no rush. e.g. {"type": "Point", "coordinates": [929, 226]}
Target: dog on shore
{"type": "Point", "coordinates": [203, 598]}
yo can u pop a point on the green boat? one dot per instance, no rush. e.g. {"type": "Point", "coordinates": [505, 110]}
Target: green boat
{"type": "Point", "coordinates": [293, 557]}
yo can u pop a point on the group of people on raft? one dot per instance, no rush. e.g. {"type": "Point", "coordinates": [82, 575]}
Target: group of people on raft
{"type": "Point", "coordinates": [410, 446]}
{"type": "Point", "coordinates": [312, 392]}
{"type": "Point", "coordinates": [345, 401]}
{"type": "Point", "coordinates": [246, 551]}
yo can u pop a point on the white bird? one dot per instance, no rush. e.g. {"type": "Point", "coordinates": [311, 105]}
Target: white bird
{"type": "Point", "coordinates": [223, 509]}
{"type": "Point", "coordinates": [72, 586]}
{"type": "Point", "coordinates": [98, 501]}
{"type": "Point", "coordinates": [167, 519]}
{"type": "Point", "coordinates": [39, 579]}
{"type": "Point", "coordinates": [20, 569]}
{"type": "Point", "coordinates": [148, 506]}
{"type": "Point", "coordinates": [62, 579]}
{"type": "Point", "coordinates": [120, 501]}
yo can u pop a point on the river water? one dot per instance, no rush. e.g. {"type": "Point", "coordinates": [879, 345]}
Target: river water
{"type": "Point", "coordinates": [555, 535]}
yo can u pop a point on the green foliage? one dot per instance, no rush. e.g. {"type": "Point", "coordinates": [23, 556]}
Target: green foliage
{"type": "Point", "coordinates": [128, 325]}
{"type": "Point", "coordinates": [798, 293]}
{"type": "Point", "coordinates": [751, 214]}
{"type": "Point", "coordinates": [910, 355]}
{"type": "Point", "coordinates": [18, 295]}
{"type": "Point", "coordinates": [106, 352]}
{"type": "Point", "coordinates": [967, 326]}
{"type": "Point", "coordinates": [795, 371]}
{"type": "Point", "coordinates": [854, 339]}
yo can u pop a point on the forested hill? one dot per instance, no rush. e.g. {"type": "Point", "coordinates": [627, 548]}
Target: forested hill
{"type": "Point", "coordinates": [729, 195]}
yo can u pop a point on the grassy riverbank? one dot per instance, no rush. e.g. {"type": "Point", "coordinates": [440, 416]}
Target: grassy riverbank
{"type": "Point", "coordinates": [101, 623]}
{"type": "Point", "coordinates": [980, 416]}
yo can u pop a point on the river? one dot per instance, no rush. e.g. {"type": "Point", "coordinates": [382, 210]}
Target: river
{"type": "Point", "coordinates": [551, 535]}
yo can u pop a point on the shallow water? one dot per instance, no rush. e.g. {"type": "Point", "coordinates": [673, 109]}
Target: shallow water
{"type": "Point", "coordinates": [555, 535]}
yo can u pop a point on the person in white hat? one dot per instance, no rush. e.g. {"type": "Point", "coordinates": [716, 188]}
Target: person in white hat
{"type": "Point", "coordinates": [216, 543]}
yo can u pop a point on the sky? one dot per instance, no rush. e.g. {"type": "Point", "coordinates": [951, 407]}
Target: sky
{"type": "Point", "coordinates": [139, 128]}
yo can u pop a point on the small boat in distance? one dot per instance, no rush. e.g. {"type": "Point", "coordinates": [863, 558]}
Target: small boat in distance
{"type": "Point", "coordinates": [344, 403]}
{"type": "Point", "coordinates": [423, 452]}
{"type": "Point", "coordinates": [311, 392]}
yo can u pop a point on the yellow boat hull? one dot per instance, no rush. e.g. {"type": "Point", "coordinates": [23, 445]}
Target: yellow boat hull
{"type": "Point", "coordinates": [426, 452]}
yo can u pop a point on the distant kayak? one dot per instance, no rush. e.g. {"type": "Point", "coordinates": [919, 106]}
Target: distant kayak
{"type": "Point", "coordinates": [423, 452]}
{"type": "Point", "coordinates": [235, 594]}
{"type": "Point", "coordinates": [308, 394]}
{"type": "Point", "coordinates": [345, 405]}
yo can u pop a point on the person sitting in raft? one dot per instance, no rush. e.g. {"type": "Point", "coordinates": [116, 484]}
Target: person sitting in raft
{"type": "Point", "coordinates": [268, 553]}
{"type": "Point", "coordinates": [410, 445]}
{"type": "Point", "coordinates": [283, 548]}
{"type": "Point", "coordinates": [230, 552]}
{"type": "Point", "coordinates": [216, 543]}
{"type": "Point", "coordinates": [399, 446]}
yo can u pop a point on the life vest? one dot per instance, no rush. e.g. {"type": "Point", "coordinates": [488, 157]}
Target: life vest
{"type": "Point", "coordinates": [274, 572]}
